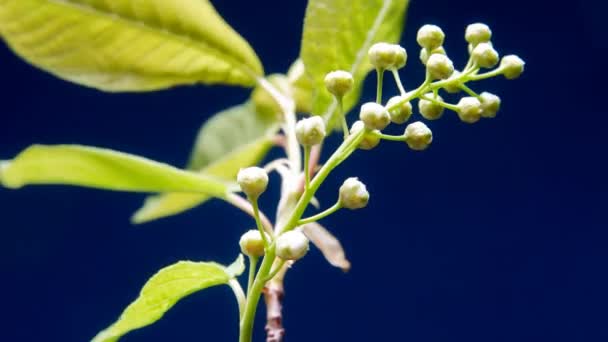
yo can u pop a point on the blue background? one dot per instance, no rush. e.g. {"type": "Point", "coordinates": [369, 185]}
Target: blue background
{"type": "Point", "coordinates": [496, 233]}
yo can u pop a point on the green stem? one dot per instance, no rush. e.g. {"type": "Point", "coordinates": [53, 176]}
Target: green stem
{"type": "Point", "coordinates": [320, 215]}
{"type": "Point", "coordinates": [275, 271]}
{"type": "Point", "coordinates": [306, 167]}
{"type": "Point", "coordinates": [379, 85]}
{"type": "Point", "coordinates": [489, 74]}
{"type": "Point", "coordinates": [258, 221]}
{"type": "Point", "coordinates": [253, 264]}
{"type": "Point", "coordinates": [342, 116]}
{"type": "Point", "coordinates": [468, 90]}
{"type": "Point", "coordinates": [239, 294]}
{"type": "Point", "coordinates": [424, 87]}
{"type": "Point", "coordinates": [398, 81]}
{"type": "Point", "coordinates": [388, 136]}
{"type": "Point", "coordinates": [246, 325]}
{"type": "Point", "coordinates": [441, 103]}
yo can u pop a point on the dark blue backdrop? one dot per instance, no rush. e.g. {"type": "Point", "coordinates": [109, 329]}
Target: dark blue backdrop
{"type": "Point", "coordinates": [496, 233]}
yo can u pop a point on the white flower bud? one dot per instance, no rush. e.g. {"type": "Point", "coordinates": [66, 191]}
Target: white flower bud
{"type": "Point", "coordinates": [484, 55]}
{"type": "Point", "coordinates": [310, 131]}
{"type": "Point", "coordinates": [490, 104]}
{"type": "Point", "coordinates": [469, 109]}
{"type": "Point", "coordinates": [385, 56]}
{"type": "Point", "coordinates": [439, 66]}
{"type": "Point", "coordinates": [478, 33]}
{"type": "Point", "coordinates": [513, 66]}
{"type": "Point", "coordinates": [374, 116]}
{"type": "Point", "coordinates": [418, 136]}
{"type": "Point", "coordinates": [292, 245]}
{"type": "Point", "coordinates": [353, 194]}
{"type": "Point", "coordinates": [430, 110]}
{"type": "Point", "coordinates": [424, 53]}
{"type": "Point", "coordinates": [401, 113]}
{"type": "Point", "coordinates": [253, 181]}
{"type": "Point", "coordinates": [453, 85]}
{"type": "Point", "coordinates": [369, 140]}
{"type": "Point", "coordinates": [339, 82]}
{"type": "Point", "coordinates": [252, 243]}
{"type": "Point", "coordinates": [430, 37]}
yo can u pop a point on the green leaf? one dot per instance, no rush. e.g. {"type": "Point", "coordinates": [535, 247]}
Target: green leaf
{"type": "Point", "coordinates": [103, 169]}
{"type": "Point", "coordinates": [337, 36]}
{"type": "Point", "coordinates": [165, 289]}
{"type": "Point", "coordinates": [232, 139]}
{"type": "Point", "coordinates": [129, 45]}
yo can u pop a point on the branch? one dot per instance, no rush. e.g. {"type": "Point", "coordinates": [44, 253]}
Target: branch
{"type": "Point", "coordinates": [273, 297]}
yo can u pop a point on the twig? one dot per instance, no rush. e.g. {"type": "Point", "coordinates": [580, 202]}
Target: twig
{"type": "Point", "coordinates": [273, 297]}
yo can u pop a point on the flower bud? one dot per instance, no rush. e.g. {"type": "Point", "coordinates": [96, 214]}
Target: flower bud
{"type": "Point", "coordinates": [424, 53]}
{"type": "Point", "coordinates": [513, 66]}
{"type": "Point", "coordinates": [402, 112]}
{"type": "Point", "coordinates": [385, 56]}
{"type": "Point", "coordinates": [484, 55]}
{"type": "Point", "coordinates": [292, 245]}
{"type": "Point", "coordinates": [430, 37]}
{"type": "Point", "coordinates": [453, 85]}
{"type": "Point", "coordinates": [253, 181]}
{"type": "Point", "coordinates": [478, 33]}
{"type": "Point", "coordinates": [369, 140]}
{"type": "Point", "coordinates": [418, 136]}
{"type": "Point", "coordinates": [252, 243]}
{"type": "Point", "coordinates": [339, 82]}
{"type": "Point", "coordinates": [430, 110]}
{"type": "Point", "coordinates": [469, 109]}
{"type": "Point", "coordinates": [310, 131]}
{"type": "Point", "coordinates": [374, 116]}
{"type": "Point", "coordinates": [490, 104]}
{"type": "Point", "coordinates": [353, 194]}
{"type": "Point", "coordinates": [439, 66]}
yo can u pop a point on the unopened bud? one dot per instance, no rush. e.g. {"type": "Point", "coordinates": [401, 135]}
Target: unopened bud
{"type": "Point", "coordinates": [353, 194]}
{"type": "Point", "coordinates": [310, 131]}
{"type": "Point", "coordinates": [430, 37]}
{"type": "Point", "coordinates": [513, 66]}
{"type": "Point", "coordinates": [370, 140]}
{"type": "Point", "coordinates": [385, 56]}
{"type": "Point", "coordinates": [292, 245]}
{"type": "Point", "coordinates": [430, 110]}
{"type": "Point", "coordinates": [439, 66]}
{"type": "Point", "coordinates": [252, 243]}
{"type": "Point", "coordinates": [490, 104]}
{"type": "Point", "coordinates": [374, 116]}
{"type": "Point", "coordinates": [418, 136]}
{"type": "Point", "coordinates": [339, 82]}
{"type": "Point", "coordinates": [469, 109]}
{"type": "Point", "coordinates": [453, 85]}
{"type": "Point", "coordinates": [253, 181]}
{"type": "Point", "coordinates": [402, 112]}
{"type": "Point", "coordinates": [424, 54]}
{"type": "Point", "coordinates": [484, 55]}
{"type": "Point", "coordinates": [478, 33]}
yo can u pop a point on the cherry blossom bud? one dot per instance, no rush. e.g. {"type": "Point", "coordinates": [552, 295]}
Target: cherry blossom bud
{"type": "Point", "coordinates": [374, 115]}
{"type": "Point", "coordinates": [384, 56]}
{"type": "Point", "coordinates": [484, 55]}
{"type": "Point", "coordinates": [292, 245]}
{"type": "Point", "coordinates": [418, 136]}
{"type": "Point", "coordinates": [513, 66]}
{"type": "Point", "coordinates": [430, 110]}
{"type": "Point", "coordinates": [253, 181]}
{"type": "Point", "coordinates": [310, 131]}
{"type": "Point", "coordinates": [430, 37]}
{"type": "Point", "coordinates": [252, 243]}
{"type": "Point", "coordinates": [400, 57]}
{"type": "Point", "coordinates": [490, 104]}
{"type": "Point", "coordinates": [339, 82]}
{"type": "Point", "coordinates": [424, 53]}
{"type": "Point", "coordinates": [353, 194]}
{"type": "Point", "coordinates": [469, 109]}
{"type": "Point", "coordinates": [440, 67]}
{"type": "Point", "coordinates": [402, 112]}
{"type": "Point", "coordinates": [453, 85]}
{"type": "Point", "coordinates": [370, 140]}
{"type": "Point", "coordinates": [478, 33]}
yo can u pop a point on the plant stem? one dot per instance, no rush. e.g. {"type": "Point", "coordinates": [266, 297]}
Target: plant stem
{"type": "Point", "coordinates": [253, 264]}
{"type": "Point", "coordinates": [342, 116]}
{"type": "Point", "coordinates": [277, 268]}
{"type": "Point", "coordinates": [246, 325]}
{"type": "Point", "coordinates": [468, 90]}
{"type": "Point", "coordinates": [379, 85]}
{"type": "Point", "coordinates": [239, 294]}
{"type": "Point", "coordinates": [258, 222]}
{"type": "Point", "coordinates": [400, 138]}
{"type": "Point", "coordinates": [321, 215]}
{"type": "Point", "coordinates": [306, 167]}
{"type": "Point", "coordinates": [398, 81]}
{"type": "Point", "coordinates": [441, 103]}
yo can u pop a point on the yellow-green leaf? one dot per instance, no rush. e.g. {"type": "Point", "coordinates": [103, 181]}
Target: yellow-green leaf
{"type": "Point", "coordinates": [338, 34]}
{"type": "Point", "coordinates": [232, 139]}
{"type": "Point", "coordinates": [103, 169]}
{"type": "Point", "coordinates": [165, 289]}
{"type": "Point", "coordinates": [129, 45]}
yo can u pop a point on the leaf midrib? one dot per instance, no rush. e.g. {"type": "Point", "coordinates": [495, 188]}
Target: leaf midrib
{"type": "Point", "coordinates": [186, 40]}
